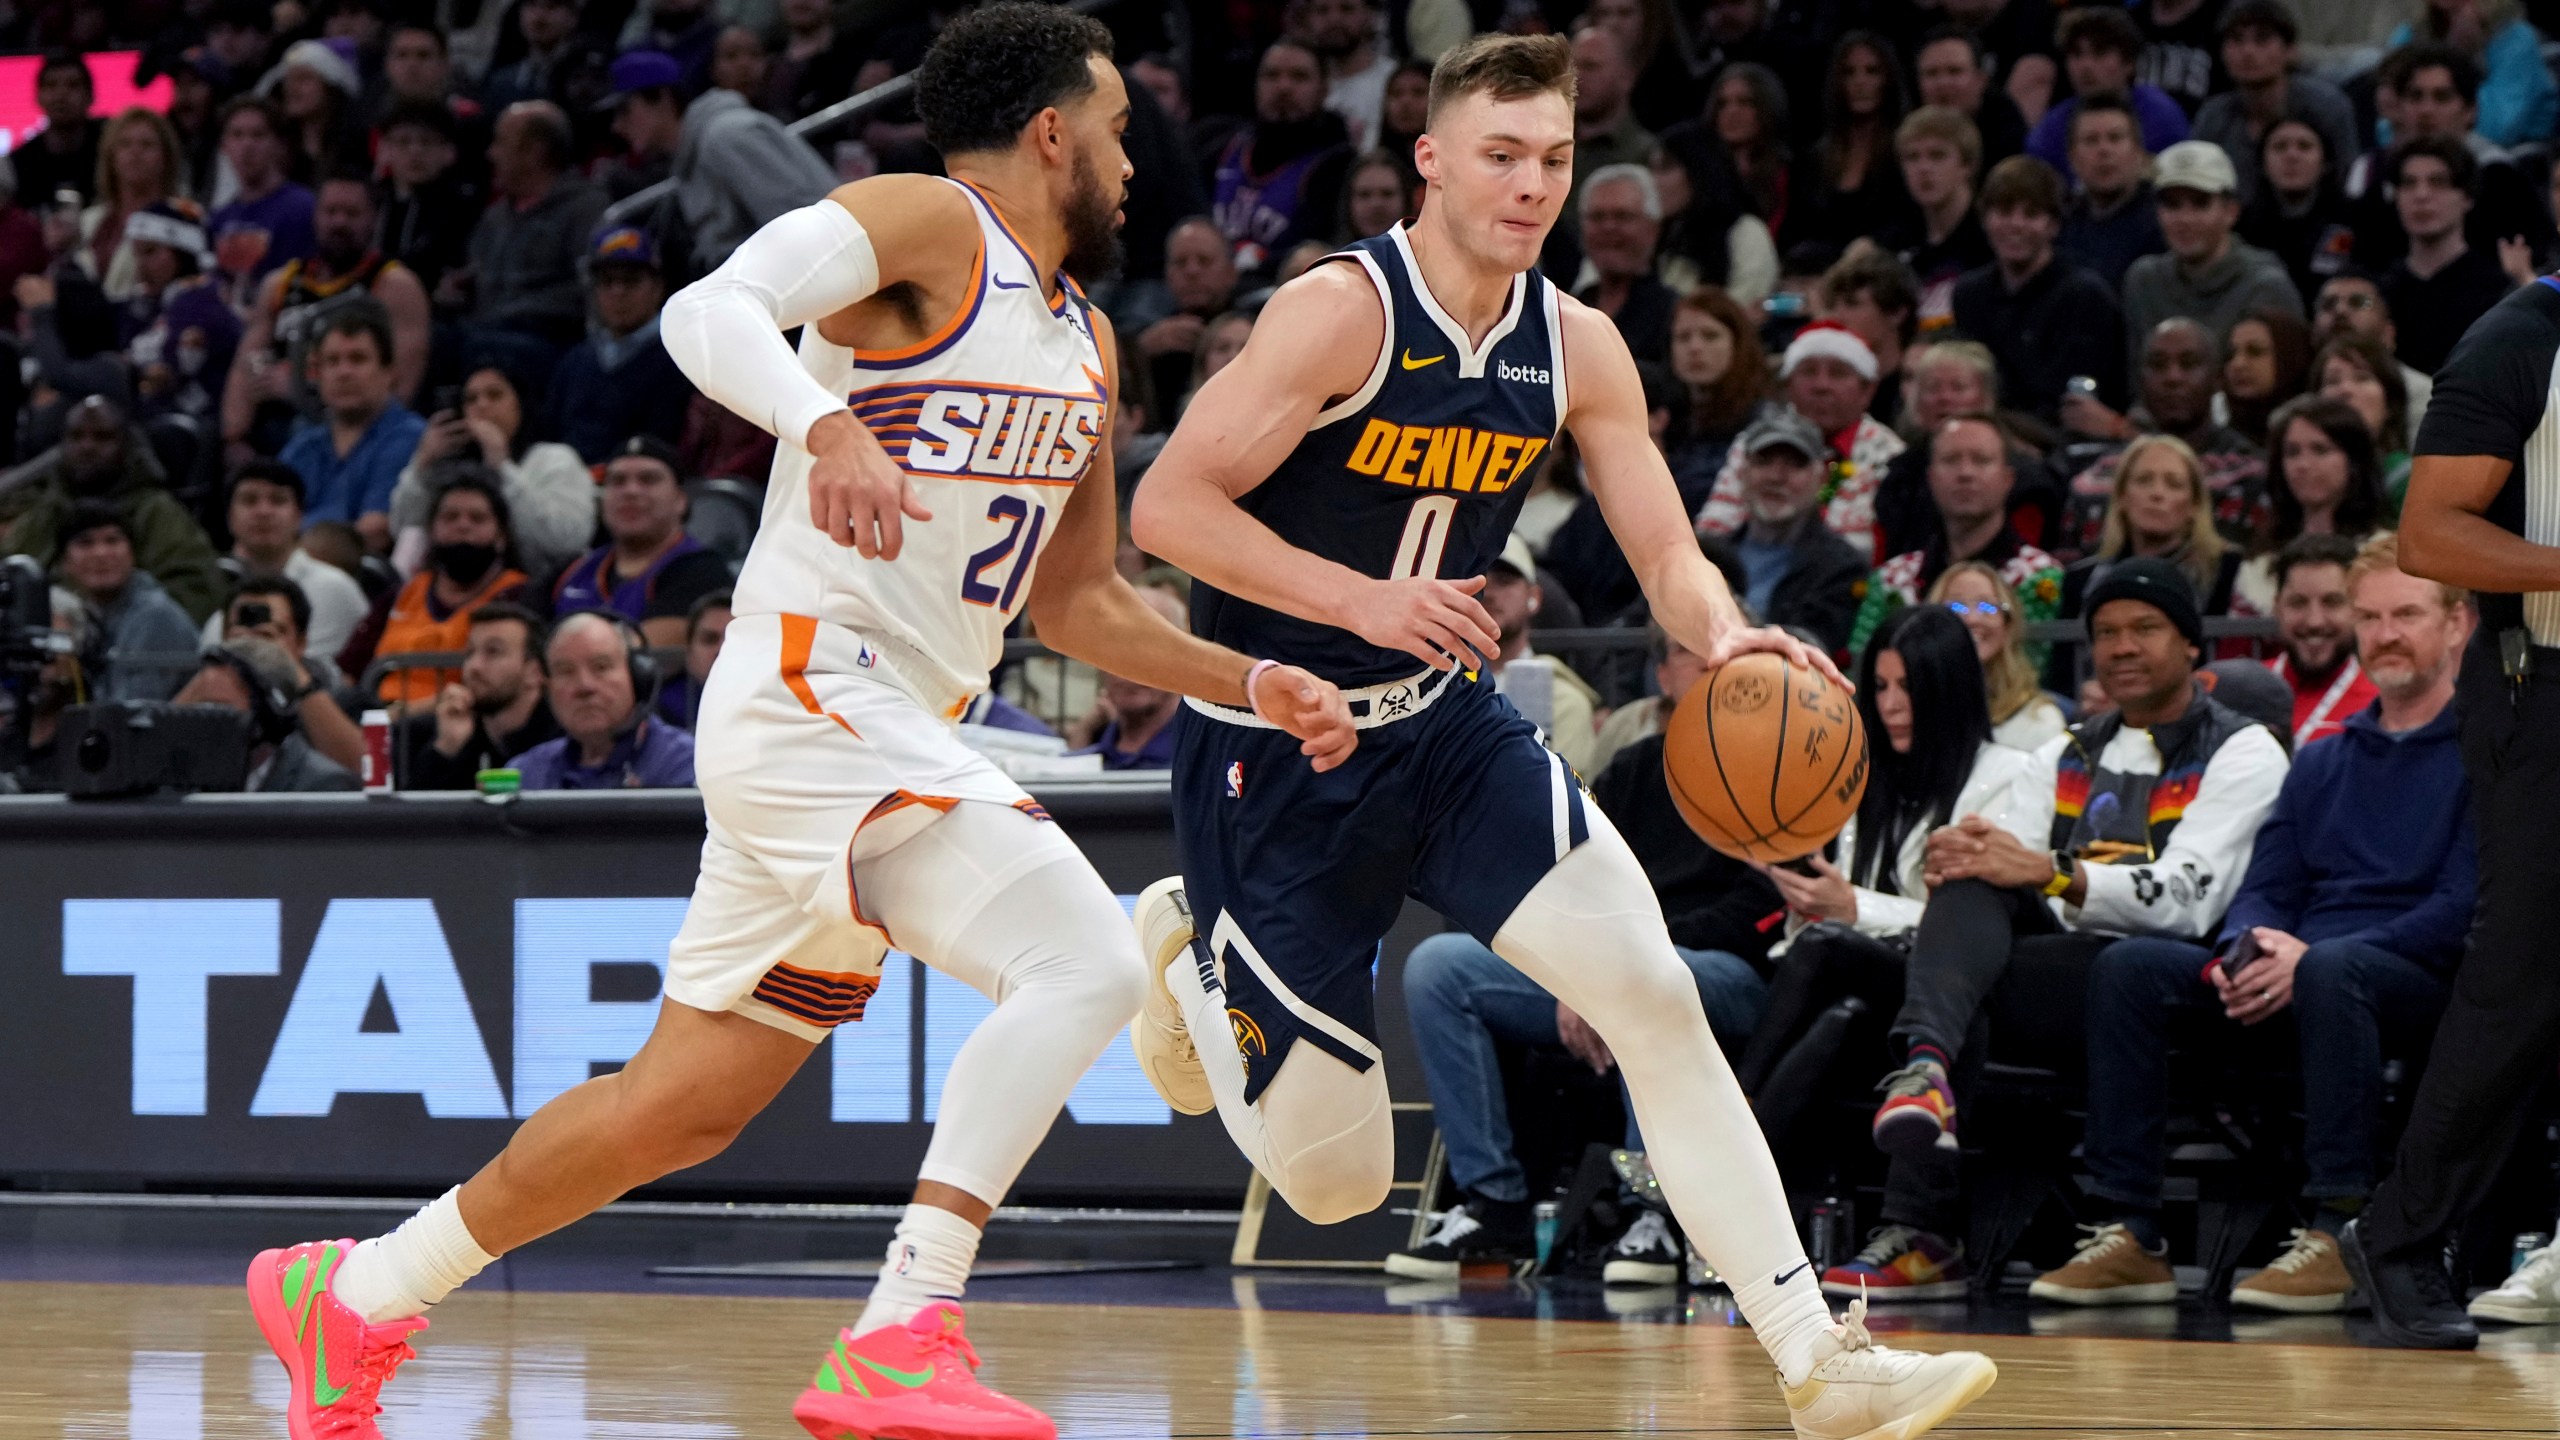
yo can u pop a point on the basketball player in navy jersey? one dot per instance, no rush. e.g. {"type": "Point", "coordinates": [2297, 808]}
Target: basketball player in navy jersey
{"type": "Point", "coordinates": [1338, 492]}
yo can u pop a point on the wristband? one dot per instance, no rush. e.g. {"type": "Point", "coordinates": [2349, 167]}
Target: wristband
{"type": "Point", "coordinates": [2064, 869]}
{"type": "Point", "coordinates": [1249, 677]}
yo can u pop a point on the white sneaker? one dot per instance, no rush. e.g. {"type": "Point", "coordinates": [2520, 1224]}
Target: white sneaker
{"type": "Point", "coordinates": [2531, 1296]}
{"type": "Point", "coordinates": [1647, 1254]}
{"type": "Point", "coordinates": [1860, 1390]}
{"type": "Point", "coordinates": [1161, 1037]}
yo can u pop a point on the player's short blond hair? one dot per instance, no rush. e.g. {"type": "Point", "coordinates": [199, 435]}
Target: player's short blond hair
{"type": "Point", "coordinates": [1506, 67]}
{"type": "Point", "coordinates": [2382, 553]}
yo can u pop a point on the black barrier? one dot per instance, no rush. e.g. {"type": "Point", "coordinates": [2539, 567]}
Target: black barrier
{"type": "Point", "coordinates": [336, 993]}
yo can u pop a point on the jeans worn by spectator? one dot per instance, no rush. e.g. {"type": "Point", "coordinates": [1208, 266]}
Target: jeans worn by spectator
{"type": "Point", "coordinates": [1463, 998]}
{"type": "Point", "coordinates": [2352, 1004]}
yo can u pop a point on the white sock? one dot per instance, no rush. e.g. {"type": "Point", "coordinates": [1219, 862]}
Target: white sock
{"type": "Point", "coordinates": [928, 1260]}
{"type": "Point", "coordinates": [397, 1276]}
{"type": "Point", "coordinates": [1591, 933]}
{"type": "Point", "coordinates": [1788, 1318]}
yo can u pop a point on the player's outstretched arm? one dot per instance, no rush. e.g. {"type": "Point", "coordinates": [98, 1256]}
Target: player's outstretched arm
{"type": "Point", "coordinates": [1080, 605]}
{"type": "Point", "coordinates": [1315, 342]}
{"type": "Point", "coordinates": [725, 332]}
{"type": "Point", "coordinates": [1641, 502]}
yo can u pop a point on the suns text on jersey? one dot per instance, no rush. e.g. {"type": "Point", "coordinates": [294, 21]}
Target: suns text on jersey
{"type": "Point", "coordinates": [1445, 457]}
{"type": "Point", "coordinates": [987, 432]}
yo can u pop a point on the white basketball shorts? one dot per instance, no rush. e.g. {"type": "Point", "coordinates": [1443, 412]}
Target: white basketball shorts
{"type": "Point", "coordinates": [811, 758]}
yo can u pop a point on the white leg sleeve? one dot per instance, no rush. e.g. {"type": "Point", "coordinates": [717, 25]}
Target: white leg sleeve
{"type": "Point", "coordinates": [724, 331]}
{"type": "Point", "coordinates": [1591, 933]}
{"type": "Point", "coordinates": [1009, 906]}
{"type": "Point", "coordinates": [1322, 1133]}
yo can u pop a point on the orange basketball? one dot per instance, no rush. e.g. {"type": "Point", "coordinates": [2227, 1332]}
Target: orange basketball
{"type": "Point", "coordinates": [1766, 760]}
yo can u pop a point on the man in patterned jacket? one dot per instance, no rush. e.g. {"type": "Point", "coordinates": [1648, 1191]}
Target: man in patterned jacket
{"type": "Point", "coordinates": [1970, 480]}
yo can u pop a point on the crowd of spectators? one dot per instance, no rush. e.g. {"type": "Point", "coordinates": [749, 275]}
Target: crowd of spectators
{"type": "Point", "coordinates": [1954, 319]}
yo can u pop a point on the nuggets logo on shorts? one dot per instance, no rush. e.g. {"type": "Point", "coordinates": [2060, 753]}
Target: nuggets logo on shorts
{"type": "Point", "coordinates": [1249, 1041]}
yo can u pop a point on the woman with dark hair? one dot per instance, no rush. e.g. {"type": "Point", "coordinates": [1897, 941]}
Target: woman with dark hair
{"type": "Point", "coordinates": [2323, 478]}
{"type": "Point", "coordinates": [2299, 212]}
{"type": "Point", "coordinates": [1716, 354]}
{"type": "Point", "coordinates": [1407, 110]}
{"type": "Point", "coordinates": [470, 563]}
{"type": "Point", "coordinates": [551, 495]}
{"type": "Point", "coordinates": [2265, 362]}
{"type": "Point", "coordinates": [1740, 146]}
{"type": "Point", "coordinates": [1707, 237]}
{"type": "Point", "coordinates": [1379, 191]}
{"type": "Point", "coordinates": [2363, 374]}
{"type": "Point", "coordinates": [1851, 185]}
{"type": "Point", "coordinates": [1932, 762]}
{"type": "Point", "coordinates": [315, 88]}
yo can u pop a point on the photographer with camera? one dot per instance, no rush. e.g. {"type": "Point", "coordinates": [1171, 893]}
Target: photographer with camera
{"type": "Point", "coordinates": [258, 679]}
{"type": "Point", "coordinates": [603, 681]}
{"type": "Point", "coordinates": [273, 608]}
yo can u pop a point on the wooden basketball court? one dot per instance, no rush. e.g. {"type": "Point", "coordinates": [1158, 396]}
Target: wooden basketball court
{"type": "Point", "coordinates": [87, 1362]}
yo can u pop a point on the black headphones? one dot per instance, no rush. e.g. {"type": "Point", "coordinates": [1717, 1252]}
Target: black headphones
{"type": "Point", "coordinates": [639, 659]}
{"type": "Point", "coordinates": [272, 714]}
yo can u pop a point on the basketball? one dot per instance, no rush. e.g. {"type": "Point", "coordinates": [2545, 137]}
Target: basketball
{"type": "Point", "coordinates": [1766, 760]}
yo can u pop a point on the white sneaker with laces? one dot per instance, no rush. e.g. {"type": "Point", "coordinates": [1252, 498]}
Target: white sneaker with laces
{"type": "Point", "coordinates": [2531, 1296]}
{"type": "Point", "coordinates": [1860, 1390]}
{"type": "Point", "coordinates": [1646, 1255]}
{"type": "Point", "coordinates": [1160, 1036]}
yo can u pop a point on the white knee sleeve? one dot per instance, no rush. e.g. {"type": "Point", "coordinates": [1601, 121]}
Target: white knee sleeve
{"type": "Point", "coordinates": [1007, 905]}
{"type": "Point", "coordinates": [1322, 1133]}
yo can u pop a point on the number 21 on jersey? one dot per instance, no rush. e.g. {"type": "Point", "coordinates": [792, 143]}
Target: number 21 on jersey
{"type": "Point", "coordinates": [1023, 521]}
{"type": "Point", "coordinates": [1426, 535]}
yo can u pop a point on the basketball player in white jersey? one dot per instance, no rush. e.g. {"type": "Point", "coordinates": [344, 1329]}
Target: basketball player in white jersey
{"type": "Point", "coordinates": [967, 479]}
{"type": "Point", "coordinates": [1284, 491]}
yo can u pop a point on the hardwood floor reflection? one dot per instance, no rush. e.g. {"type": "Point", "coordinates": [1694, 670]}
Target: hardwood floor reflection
{"type": "Point", "coordinates": [87, 1362]}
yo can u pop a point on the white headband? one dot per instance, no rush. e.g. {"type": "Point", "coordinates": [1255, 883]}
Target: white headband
{"type": "Point", "coordinates": [166, 230]}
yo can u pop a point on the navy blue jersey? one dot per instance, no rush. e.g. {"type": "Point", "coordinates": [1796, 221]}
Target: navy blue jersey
{"type": "Point", "coordinates": [1419, 472]}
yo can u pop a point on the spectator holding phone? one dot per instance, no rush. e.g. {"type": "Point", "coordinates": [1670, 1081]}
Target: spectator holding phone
{"type": "Point", "coordinates": [2351, 917]}
{"type": "Point", "coordinates": [551, 497]}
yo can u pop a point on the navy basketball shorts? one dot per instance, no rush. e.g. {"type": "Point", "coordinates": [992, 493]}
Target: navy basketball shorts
{"type": "Point", "coordinates": [1295, 877]}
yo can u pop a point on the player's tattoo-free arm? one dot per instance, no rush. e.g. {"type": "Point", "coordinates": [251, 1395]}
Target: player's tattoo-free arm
{"type": "Point", "coordinates": [1641, 502]}
{"type": "Point", "coordinates": [1316, 340]}
{"type": "Point", "coordinates": [1081, 606]}
{"type": "Point", "coordinates": [807, 267]}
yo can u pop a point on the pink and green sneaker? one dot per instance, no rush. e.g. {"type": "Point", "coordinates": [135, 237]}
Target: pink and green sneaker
{"type": "Point", "coordinates": [337, 1361]}
{"type": "Point", "coordinates": [914, 1381]}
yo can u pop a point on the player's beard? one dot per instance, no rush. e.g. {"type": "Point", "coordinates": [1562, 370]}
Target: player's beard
{"type": "Point", "coordinates": [1093, 227]}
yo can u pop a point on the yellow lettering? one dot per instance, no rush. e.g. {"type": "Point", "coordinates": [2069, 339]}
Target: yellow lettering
{"type": "Point", "coordinates": [1472, 447]}
{"type": "Point", "coordinates": [1435, 461]}
{"type": "Point", "coordinates": [1370, 455]}
{"type": "Point", "coordinates": [1409, 448]}
{"type": "Point", "coordinates": [1529, 449]}
{"type": "Point", "coordinates": [1504, 447]}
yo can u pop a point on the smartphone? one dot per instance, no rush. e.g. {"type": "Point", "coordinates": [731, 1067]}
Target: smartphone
{"type": "Point", "coordinates": [2081, 385]}
{"type": "Point", "coordinates": [447, 400]}
{"type": "Point", "coordinates": [2243, 953]}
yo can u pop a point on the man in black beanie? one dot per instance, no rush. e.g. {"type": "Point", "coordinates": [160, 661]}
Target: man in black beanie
{"type": "Point", "coordinates": [2154, 808]}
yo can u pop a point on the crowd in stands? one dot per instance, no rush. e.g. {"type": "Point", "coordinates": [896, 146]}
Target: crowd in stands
{"type": "Point", "coordinates": [1954, 319]}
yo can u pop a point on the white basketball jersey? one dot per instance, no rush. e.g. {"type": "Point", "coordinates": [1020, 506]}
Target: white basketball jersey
{"type": "Point", "coordinates": [996, 416]}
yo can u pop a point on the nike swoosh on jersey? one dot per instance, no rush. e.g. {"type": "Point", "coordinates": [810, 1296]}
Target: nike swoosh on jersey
{"type": "Point", "coordinates": [1412, 364]}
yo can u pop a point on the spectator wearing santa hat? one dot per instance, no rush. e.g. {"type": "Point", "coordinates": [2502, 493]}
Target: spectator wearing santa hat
{"type": "Point", "coordinates": [1829, 376]}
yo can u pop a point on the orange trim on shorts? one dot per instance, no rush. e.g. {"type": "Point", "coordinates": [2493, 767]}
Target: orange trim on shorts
{"type": "Point", "coordinates": [890, 804]}
{"type": "Point", "coordinates": [799, 637]}
{"type": "Point", "coordinates": [817, 997]}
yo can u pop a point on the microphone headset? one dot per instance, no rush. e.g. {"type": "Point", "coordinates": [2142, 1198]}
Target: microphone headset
{"type": "Point", "coordinates": [639, 660]}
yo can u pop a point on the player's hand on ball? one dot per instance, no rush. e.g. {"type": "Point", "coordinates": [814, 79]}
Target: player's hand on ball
{"type": "Point", "coordinates": [857, 495]}
{"type": "Point", "coordinates": [1738, 642]}
{"type": "Point", "coordinates": [1430, 620]}
{"type": "Point", "coordinates": [1309, 708]}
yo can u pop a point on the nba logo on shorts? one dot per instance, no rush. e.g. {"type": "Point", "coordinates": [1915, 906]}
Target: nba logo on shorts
{"type": "Point", "coordinates": [906, 1260]}
{"type": "Point", "coordinates": [1235, 779]}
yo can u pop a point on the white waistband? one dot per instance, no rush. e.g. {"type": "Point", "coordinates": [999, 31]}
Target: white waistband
{"type": "Point", "coordinates": [1371, 706]}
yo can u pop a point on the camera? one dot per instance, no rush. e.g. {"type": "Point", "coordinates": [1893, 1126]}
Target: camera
{"type": "Point", "coordinates": [28, 641]}
{"type": "Point", "coordinates": [253, 613]}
